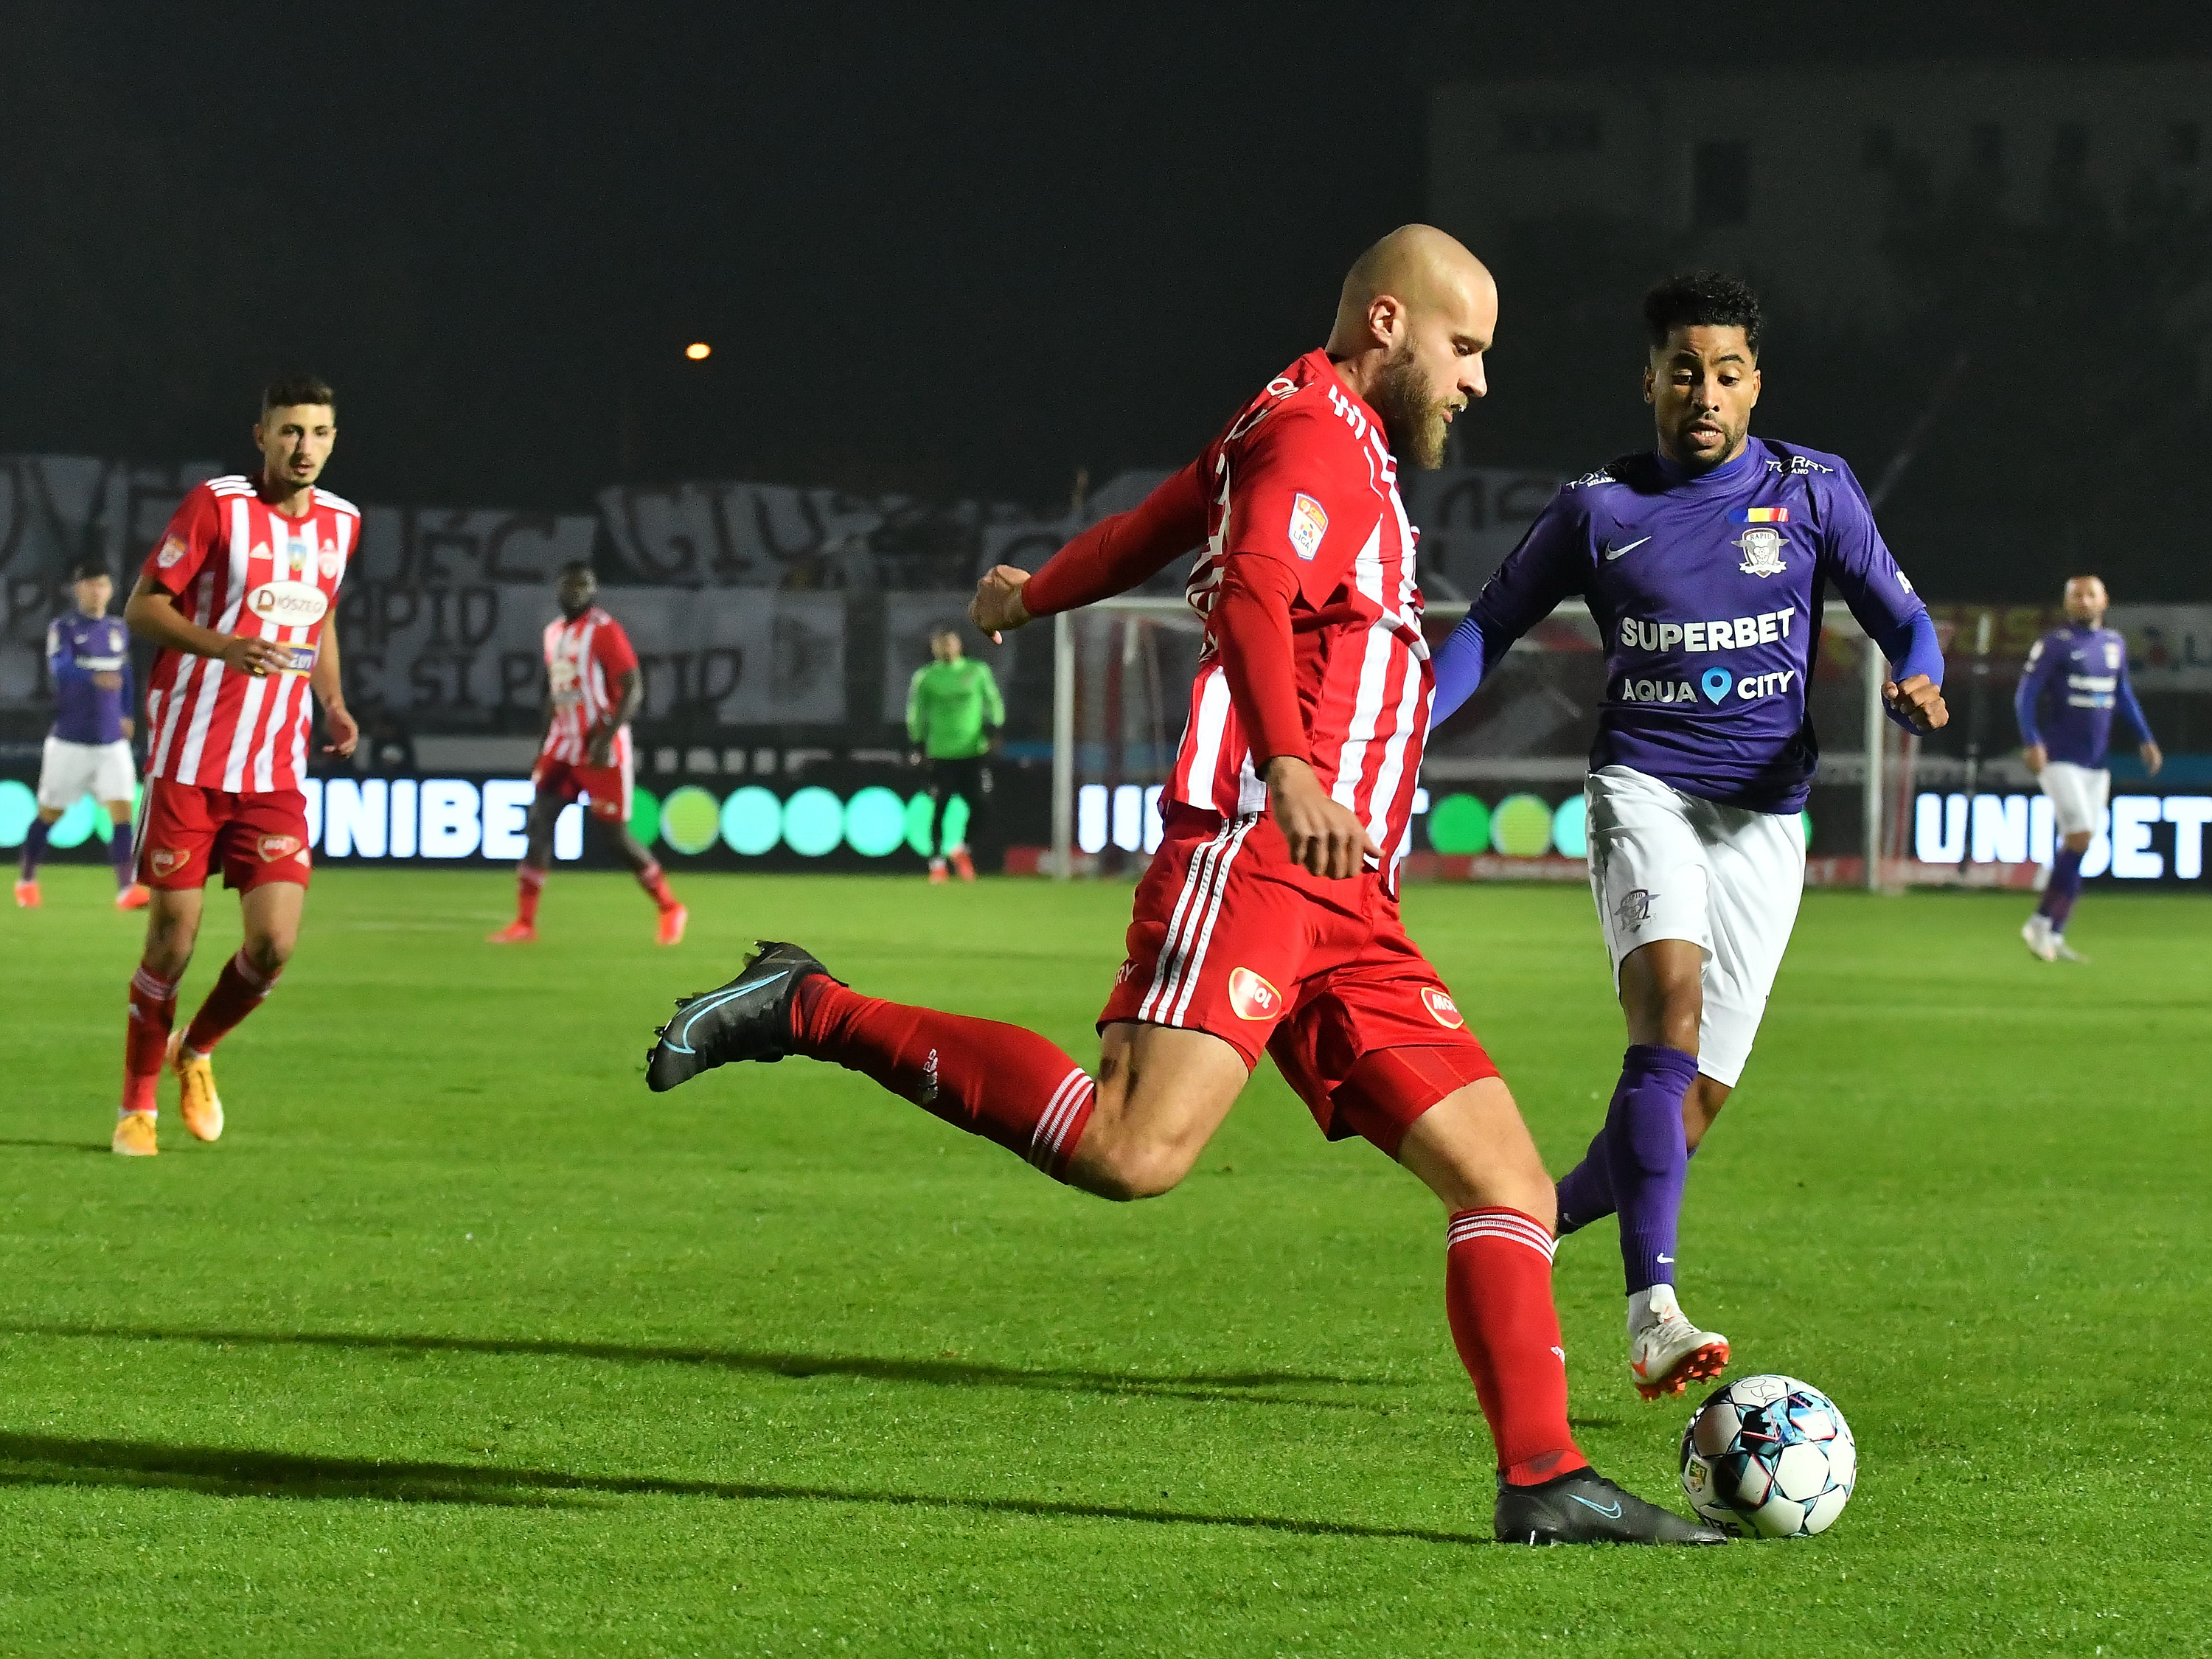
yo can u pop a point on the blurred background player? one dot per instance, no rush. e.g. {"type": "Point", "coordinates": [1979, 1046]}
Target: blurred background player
{"type": "Point", "coordinates": [953, 718]}
{"type": "Point", "coordinates": [88, 751]}
{"type": "Point", "coordinates": [1269, 921]}
{"type": "Point", "coordinates": [1704, 564]}
{"type": "Point", "coordinates": [592, 689]}
{"type": "Point", "coordinates": [2081, 670]}
{"type": "Point", "coordinates": [240, 597]}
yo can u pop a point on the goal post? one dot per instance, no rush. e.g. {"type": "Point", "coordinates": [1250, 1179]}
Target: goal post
{"type": "Point", "coordinates": [1506, 771]}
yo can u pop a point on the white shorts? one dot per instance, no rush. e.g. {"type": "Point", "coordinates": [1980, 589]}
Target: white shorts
{"type": "Point", "coordinates": [2078, 794]}
{"type": "Point", "coordinates": [69, 771]}
{"type": "Point", "coordinates": [1665, 865]}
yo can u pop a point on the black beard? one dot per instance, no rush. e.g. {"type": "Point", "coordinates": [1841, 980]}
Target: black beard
{"type": "Point", "coordinates": [1412, 418]}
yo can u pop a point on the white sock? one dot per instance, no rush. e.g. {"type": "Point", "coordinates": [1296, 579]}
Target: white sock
{"type": "Point", "coordinates": [1652, 1307]}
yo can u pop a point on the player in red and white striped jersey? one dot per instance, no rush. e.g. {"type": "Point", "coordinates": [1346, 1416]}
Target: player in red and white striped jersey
{"type": "Point", "coordinates": [238, 596]}
{"type": "Point", "coordinates": [593, 688]}
{"type": "Point", "coordinates": [1269, 920]}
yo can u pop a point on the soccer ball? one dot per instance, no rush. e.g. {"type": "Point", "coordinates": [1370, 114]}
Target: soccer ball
{"type": "Point", "coordinates": [1769, 1458]}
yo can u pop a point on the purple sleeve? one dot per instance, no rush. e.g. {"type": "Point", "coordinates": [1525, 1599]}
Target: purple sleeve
{"type": "Point", "coordinates": [61, 654]}
{"type": "Point", "coordinates": [1866, 575]}
{"type": "Point", "coordinates": [1547, 567]}
{"type": "Point", "coordinates": [2025, 701]}
{"type": "Point", "coordinates": [2126, 701]}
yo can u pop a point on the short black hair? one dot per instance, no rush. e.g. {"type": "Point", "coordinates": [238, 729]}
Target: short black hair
{"type": "Point", "coordinates": [85, 569]}
{"type": "Point", "coordinates": [287, 390]}
{"type": "Point", "coordinates": [576, 568]}
{"type": "Point", "coordinates": [1702, 299]}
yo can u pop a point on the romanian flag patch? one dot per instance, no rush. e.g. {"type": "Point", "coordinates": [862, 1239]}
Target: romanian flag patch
{"type": "Point", "coordinates": [1762, 515]}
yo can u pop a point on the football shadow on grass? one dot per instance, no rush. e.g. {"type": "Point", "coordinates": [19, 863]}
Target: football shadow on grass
{"type": "Point", "coordinates": [31, 1460]}
{"type": "Point", "coordinates": [1237, 1388]}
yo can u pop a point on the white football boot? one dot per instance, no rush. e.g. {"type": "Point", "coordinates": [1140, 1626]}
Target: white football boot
{"type": "Point", "coordinates": [1666, 1352]}
{"type": "Point", "coordinates": [2064, 952]}
{"type": "Point", "coordinates": [2042, 943]}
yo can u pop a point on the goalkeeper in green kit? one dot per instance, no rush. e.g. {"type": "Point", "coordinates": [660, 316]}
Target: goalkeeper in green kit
{"type": "Point", "coordinates": [953, 714]}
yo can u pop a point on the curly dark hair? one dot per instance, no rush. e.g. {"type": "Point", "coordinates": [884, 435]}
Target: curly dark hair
{"type": "Point", "coordinates": [1702, 299]}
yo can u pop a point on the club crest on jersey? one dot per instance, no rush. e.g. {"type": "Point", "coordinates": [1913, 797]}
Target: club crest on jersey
{"type": "Point", "coordinates": [327, 559]}
{"type": "Point", "coordinates": [1762, 549]}
{"type": "Point", "coordinates": [274, 849]}
{"type": "Point", "coordinates": [1251, 997]}
{"type": "Point", "coordinates": [166, 861]}
{"type": "Point", "coordinates": [1441, 1009]}
{"type": "Point", "coordinates": [1308, 523]}
{"type": "Point", "coordinates": [171, 553]}
{"type": "Point", "coordinates": [1635, 907]}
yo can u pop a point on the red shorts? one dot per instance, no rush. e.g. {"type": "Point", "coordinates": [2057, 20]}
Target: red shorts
{"type": "Point", "coordinates": [186, 832]}
{"type": "Point", "coordinates": [609, 787]}
{"type": "Point", "coordinates": [1232, 939]}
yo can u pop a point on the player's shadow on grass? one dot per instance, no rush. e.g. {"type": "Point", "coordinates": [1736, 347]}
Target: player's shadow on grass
{"type": "Point", "coordinates": [64, 1146]}
{"type": "Point", "coordinates": [1213, 1387]}
{"type": "Point", "coordinates": [32, 1460]}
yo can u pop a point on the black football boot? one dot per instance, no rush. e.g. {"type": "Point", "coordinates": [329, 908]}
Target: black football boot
{"type": "Point", "coordinates": [1584, 1507]}
{"type": "Point", "coordinates": [749, 1018]}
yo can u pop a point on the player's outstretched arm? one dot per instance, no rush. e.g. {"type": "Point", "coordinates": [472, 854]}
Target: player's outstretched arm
{"type": "Point", "coordinates": [1114, 556]}
{"type": "Point", "coordinates": [152, 614]}
{"type": "Point", "coordinates": [1536, 576]}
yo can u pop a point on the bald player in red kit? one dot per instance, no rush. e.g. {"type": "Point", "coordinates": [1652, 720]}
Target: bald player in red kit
{"type": "Point", "coordinates": [1268, 919]}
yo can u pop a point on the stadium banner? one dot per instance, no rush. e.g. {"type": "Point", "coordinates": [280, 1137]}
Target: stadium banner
{"type": "Point", "coordinates": [2169, 646]}
{"type": "Point", "coordinates": [2141, 838]}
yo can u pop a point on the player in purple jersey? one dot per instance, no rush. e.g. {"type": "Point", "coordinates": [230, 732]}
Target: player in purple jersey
{"type": "Point", "coordinates": [1705, 565]}
{"type": "Point", "coordinates": [89, 751]}
{"type": "Point", "coordinates": [2079, 672]}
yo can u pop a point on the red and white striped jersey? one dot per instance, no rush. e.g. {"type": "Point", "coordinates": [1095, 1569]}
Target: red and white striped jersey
{"type": "Point", "coordinates": [238, 565]}
{"type": "Point", "coordinates": [585, 661]}
{"type": "Point", "coordinates": [1303, 476]}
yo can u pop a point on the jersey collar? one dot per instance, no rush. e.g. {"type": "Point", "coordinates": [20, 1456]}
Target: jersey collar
{"type": "Point", "coordinates": [1728, 476]}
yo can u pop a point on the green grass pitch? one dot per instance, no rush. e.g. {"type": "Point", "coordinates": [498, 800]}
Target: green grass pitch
{"type": "Point", "coordinates": [462, 1342]}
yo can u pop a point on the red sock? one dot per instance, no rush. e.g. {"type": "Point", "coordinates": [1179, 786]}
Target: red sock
{"type": "Point", "coordinates": [654, 883]}
{"type": "Point", "coordinates": [238, 992]}
{"type": "Point", "coordinates": [998, 1081]}
{"type": "Point", "coordinates": [528, 884]}
{"type": "Point", "coordinates": [153, 1014]}
{"type": "Point", "coordinates": [1497, 1292]}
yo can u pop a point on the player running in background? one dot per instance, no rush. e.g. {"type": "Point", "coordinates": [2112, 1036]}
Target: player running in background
{"type": "Point", "coordinates": [1269, 920]}
{"type": "Point", "coordinates": [238, 598]}
{"type": "Point", "coordinates": [953, 717]}
{"type": "Point", "coordinates": [88, 751]}
{"type": "Point", "coordinates": [1704, 566]}
{"type": "Point", "coordinates": [592, 689]}
{"type": "Point", "coordinates": [2067, 753]}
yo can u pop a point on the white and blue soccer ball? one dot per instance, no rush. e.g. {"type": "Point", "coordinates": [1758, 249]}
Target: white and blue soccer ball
{"type": "Point", "coordinates": [1769, 1458]}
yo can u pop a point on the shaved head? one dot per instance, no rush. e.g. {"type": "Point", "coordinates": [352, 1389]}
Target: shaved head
{"type": "Point", "coordinates": [2085, 599]}
{"type": "Point", "coordinates": [1416, 315]}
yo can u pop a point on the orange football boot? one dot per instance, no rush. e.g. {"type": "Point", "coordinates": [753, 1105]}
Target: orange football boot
{"type": "Point", "coordinates": [515, 933]}
{"type": "Point", "coordinates": [671, 925]}
{"type": "Point", "coordinates": [134, 1136]}
{"type": "Point", "coordinates": [962, 865]}
{"type": "Point", "coordinates": [198, 1102]}
{"type": "Point", "coordinates": [137, 896]}
{"type": "Point", "coordinates": [26, 896]}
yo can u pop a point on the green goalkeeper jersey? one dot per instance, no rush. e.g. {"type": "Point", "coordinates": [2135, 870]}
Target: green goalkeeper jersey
{"type": "Point", "coordinates": [952, 708]}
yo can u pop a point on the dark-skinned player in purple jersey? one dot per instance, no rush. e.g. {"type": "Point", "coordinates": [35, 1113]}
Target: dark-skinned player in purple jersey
{"type": "Point", "coordinates": [1704, 564]}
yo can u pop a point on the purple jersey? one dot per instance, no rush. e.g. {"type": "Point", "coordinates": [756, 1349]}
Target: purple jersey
{"type": "Point", "coordinates": [79, 646]}
{"type": "Point", "coordinates": [2076, 676]}
{"type": "Point", "coordinates": [1707, 589]}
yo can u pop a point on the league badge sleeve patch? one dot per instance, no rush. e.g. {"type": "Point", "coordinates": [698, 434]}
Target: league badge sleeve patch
{"type": "Point", "coordinates": [1308, 523]}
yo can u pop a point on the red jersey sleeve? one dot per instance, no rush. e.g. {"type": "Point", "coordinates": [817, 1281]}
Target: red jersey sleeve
{"type": "Point", "coordinates": [611, 650]}
{"type": "Point", "coordinates": [194, 530]}
{"type": "Point", "coordinates": [1302, 493]}
{"type": "Point", "coordinates": [1117, 553]}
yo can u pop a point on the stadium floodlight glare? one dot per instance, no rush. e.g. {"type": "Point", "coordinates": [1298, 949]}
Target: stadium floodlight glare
{"type": "Point", "coordinates": [1521, 827]}
{"type": "Point", "coordinates": [813, 823]}
{"type": "Point", "coordinates": [875, 822]}
{"type": "Point", "coordinates": [1570, 828]}
{"type": "Point", "coordinates": [752, 821]}
{"type": "Point", "coordinates": [698, 351]}
{"type": "Point", "coordinates": [691, 819]}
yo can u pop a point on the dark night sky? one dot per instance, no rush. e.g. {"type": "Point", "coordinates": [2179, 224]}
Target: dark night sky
{"type": "Point", "coordinates": [956, 251]}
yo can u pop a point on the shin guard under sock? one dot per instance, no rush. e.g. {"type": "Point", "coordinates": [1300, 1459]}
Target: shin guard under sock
{"type": "Point", "coordinates": [1001, 1082]}
{"type": "Point", "coordinates": [1497, 1295]}
{"type": "Point", "coordinates": [1647, 1157]}
{"type": "Point", "coordinates": [145, 1038]}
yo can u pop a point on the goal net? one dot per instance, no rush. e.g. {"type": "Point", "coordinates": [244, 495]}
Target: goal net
{"type": "Point", "coordinates": [1501, 795]}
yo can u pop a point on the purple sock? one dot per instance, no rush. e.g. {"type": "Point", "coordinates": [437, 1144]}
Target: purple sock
{"type": "Point", "coordinates": [2065, 887]}
{"type": "Point", "coordinates": [34, 848]}
{"type": "Point", "coordinates": [119, 855]}
{"type": "Point", "coordinates": [1648, 1158]}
